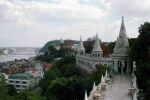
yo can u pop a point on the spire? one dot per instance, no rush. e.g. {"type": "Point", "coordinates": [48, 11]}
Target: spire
{"type": "Point", "coordinates": [81, 47]}
{"type": "Point", "coordinates": [97, 44]}
{"type": "Point", "coordinates": [94, 87]}
{"type": "Point", "coordinates": [102, 79]}
{"type": "Point", "coordinates": [122, 29]}
{"type": "Point", "coordinates": [106, 74]}
{"type": "Point", "coordinates": [122, 44]}
{"type": "Point", "coordinates": [85, 98]}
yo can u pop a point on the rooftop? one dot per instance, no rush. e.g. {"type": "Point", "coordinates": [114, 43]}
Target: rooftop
{"type": "Point", "coordinates": [22, 76]}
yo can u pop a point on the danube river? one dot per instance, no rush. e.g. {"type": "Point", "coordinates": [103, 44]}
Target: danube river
{"type": "Point", "coordinates": [5, 58]}
{"type": "Point", "coordinates": [18, 53]}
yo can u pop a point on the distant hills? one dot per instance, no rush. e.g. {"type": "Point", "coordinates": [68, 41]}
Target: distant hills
{"type": "Point", "coordinates": [67, 43]}
{"type": "Point", "coordinates": [48, 44]}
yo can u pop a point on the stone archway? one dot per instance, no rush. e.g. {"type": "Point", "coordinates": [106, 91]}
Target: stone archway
{"type": "Point", "coordinates": [125, 67]}
{"type": "Point", "coordinates": [122, 66]}
{"type": "Point", "coordinates": [119, 66]}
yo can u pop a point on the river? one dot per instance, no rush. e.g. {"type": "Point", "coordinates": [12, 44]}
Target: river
{"type": "Point", "coordinates": [18, 53]}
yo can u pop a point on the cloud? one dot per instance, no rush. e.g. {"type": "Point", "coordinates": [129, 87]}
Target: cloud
{"type": "Point", "coordinates": [34, 22]}
{"type": "Point", "coordinates": [132, 8]}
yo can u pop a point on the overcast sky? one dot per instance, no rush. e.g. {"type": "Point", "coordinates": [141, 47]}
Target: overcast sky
{"type": "Point", "coordinates": [35, 22]}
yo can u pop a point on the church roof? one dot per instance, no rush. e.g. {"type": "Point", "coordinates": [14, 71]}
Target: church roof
{"type": "Point", "coordinates": [81, 47]}
{"type": "Point", "coordinates": [21, 76]}
{"type": "Point", "coordinates": [97, 44]}
{"type": "Point", "coordinates": [122, 44]}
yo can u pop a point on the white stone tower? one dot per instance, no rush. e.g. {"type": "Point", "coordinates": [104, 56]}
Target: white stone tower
{"type": "Point", "coordinates": [81, 49]}
{"type": "Point", "coordinates": [121, 51]}
{"type": "Point", "coordinates": [97, 51]}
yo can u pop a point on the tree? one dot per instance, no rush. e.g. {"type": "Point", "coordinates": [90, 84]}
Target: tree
{"type": "Point", "coordinates": [3, 89]}
{"type": "Point", "coordinates": [141, 48]}
{"type": "Point", "coordinates": [48, 77]}
{"type": "Point", "coordinates": [88, 46]}
{"type": "Point", "coordinates": [67, 88]}
{"type": "Point", "coordinates": [69, 70]}
{"type": "Point", "coordinates": [140, 52]}
{"type": "Point", "coordinates": [97, 74]}
{"type": "Point", "coordinates": [111, 46]}
{"type": "Point", "coordinates": [11, 90]}
{"type": "Point", "coordinates": [28, 95]}
{"type": "Point", "coordinates": [58, 88]}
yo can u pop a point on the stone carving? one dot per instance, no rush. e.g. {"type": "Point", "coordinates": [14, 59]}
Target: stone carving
{"type": "Point", "coordinates": [134, 66]}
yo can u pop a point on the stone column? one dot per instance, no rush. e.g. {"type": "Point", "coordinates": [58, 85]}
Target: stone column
{"type": "Point", "coordinates": [128, 66]}
{"type": "Point", "coordinates": [122, 66]}
{"type": "Point", "coordinates": [115, 68]}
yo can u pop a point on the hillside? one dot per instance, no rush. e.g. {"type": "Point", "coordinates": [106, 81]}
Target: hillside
{"type": "Point", "coordinates": [53, 42]}
{"type": "Point", "coordinates": [48, 44]}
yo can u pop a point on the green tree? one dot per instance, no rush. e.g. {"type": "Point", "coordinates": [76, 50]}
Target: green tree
{"type": "Point", "coordinates": [97, 74]}
{"type": "Point", "coordinates": [111, 46]}
{"type": "Point", "coordinates": [3, 89]}
{"type": "Point", "coordinates": [69, 70]}
{"type": "Point", "coordinates": [67, 88]}
{"type": "Point", "coordinates": [140, 52]}
{"type": "Point", "coordinates": [88, 46]}
{"type": "Point", "coordinates": [11, 90]}
{"type": "Point", "coordinates": [58, 88]}
{"type": "Point", "coordinates": [48, 77]}
{"type": "Point", "coordinates": [141, 48]}
{"type": "Point", "coordinates": [28, 95]}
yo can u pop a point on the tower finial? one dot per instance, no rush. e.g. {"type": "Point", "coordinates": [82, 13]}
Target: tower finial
{"type": "Point", "coordinates": [81, 47]}
{"type": "Point", "coordinates": [85, 97]}
{"type": "Point", "coordinates": [122, 17]}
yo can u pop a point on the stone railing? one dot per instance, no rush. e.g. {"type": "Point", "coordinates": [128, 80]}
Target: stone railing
{"type": "Point", "coordinates": [134, 88]}
{"type": "Point", "coordinates": [97, 92]}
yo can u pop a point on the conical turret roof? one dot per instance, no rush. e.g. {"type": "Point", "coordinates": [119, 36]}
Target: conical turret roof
{"type": "Point", "coordinates": [97, 44]}
{"type": "Point", "coordinates": [122, 44]}
{"type": "Point", "coordinates": [85, 97]}
{"type": "Point", "coordinates": [81, 47]}
{"type": "Point", "coordinates": [122, 29]}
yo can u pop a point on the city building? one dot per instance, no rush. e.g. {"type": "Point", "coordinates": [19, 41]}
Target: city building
{"type": "Point", "coordinates": [21, 81]}
{"type": "Point", "coordinates": [118, 61]}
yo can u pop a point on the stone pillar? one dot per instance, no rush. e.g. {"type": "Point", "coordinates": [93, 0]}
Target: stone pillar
{"type": "Point", "coordinates": [122, 66]}
{"type": "Point", "coordinates": [115, 68]}
{"type": "Point", "coordinates": [134, 66]}
{"type": "Point", "coordinates": [128, 66]}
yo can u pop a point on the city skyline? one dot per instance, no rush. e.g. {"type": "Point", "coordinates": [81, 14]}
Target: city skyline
{"type": "Point", "coordinates": [32, 23]}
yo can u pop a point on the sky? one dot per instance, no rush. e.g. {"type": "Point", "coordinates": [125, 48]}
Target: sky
{"type": "Point", "coordinates": [32, 23]}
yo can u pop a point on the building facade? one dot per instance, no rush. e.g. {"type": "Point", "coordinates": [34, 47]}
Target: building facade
{"type": "Point", "coordinates": [21, 81]}
{"type": "Point", "coordinates": [119, 61]}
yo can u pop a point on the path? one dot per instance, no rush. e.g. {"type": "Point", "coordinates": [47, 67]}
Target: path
{"type": "Point", "coordinates": [119, 89]}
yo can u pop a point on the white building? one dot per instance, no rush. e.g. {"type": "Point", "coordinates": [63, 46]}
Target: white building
{"type": "Point", "coordinates": [119, 61]}
{"type": "Point", "coordinates": [21, 81]}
